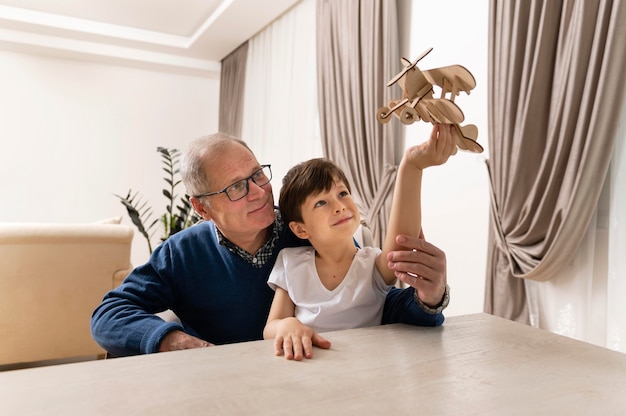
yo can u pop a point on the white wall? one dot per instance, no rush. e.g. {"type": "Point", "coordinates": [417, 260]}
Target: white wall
{"type": "Point", "coordinates": [74, 133]}
{"type": "Point", "coordinates": [455, 198]}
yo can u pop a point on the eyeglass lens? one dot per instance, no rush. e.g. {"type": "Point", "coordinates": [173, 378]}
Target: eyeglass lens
{"type": "Point", "coordinates": [241, 188]}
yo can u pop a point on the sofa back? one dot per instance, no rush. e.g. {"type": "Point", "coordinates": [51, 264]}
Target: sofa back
{"type": "Point", "coordinates": [52, 277]}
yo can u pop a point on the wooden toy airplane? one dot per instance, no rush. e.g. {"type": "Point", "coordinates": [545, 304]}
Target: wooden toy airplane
{"type": "Point", "coordinates": [417, 101]}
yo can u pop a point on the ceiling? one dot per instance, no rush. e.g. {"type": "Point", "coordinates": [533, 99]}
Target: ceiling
{"type": "Point", "coordinates": [178, 35]}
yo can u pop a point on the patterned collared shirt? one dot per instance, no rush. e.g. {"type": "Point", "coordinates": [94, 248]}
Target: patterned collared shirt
{"type": "Point", "coordinates": [262, 256]}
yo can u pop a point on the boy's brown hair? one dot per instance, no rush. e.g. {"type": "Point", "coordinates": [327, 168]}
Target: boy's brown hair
{"type": "Point", "coordinates": [305, 179]}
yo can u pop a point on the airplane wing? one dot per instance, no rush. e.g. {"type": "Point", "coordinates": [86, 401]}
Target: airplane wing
{"type": "Point", "coordinates": [453, 78]}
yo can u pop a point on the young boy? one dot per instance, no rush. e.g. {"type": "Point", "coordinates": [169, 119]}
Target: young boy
{"type": "Point", "coordinates": [332, 284]}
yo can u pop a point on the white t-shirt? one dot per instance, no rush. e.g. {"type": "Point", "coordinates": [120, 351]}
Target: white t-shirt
{"type": "Point", "coordinates": [357, 302]}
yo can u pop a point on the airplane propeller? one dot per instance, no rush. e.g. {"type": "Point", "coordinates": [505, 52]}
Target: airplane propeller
{"type": "Point", "coordinates": [407, 66]}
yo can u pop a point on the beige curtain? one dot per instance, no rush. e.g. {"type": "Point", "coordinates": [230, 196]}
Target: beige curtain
{"type": "Point", "coordinates": [357, 50]}
{"type": "Point", "coordinates": [556, 80]}
{"type": "Point", "coordinates": [282, 122]}
{"type": "Point", "coordinates": [232, 88]}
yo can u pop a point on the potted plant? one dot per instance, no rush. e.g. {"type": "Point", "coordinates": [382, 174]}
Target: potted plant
{"type": "Point", "coordinates": [176, 217]}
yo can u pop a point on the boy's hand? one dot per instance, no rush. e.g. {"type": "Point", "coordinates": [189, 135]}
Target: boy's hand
{"type": "Point", "coordinates": [436, 151]}
{"type": "Point", "coordinates": [295, 340]}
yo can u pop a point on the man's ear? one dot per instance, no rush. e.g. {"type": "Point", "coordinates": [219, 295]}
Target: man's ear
{"type": "Point", "coordinates": [298, 229]}
{"type": "Point", "coordinates": [200, 208]}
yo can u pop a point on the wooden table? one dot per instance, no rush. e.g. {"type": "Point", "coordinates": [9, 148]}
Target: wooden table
{"type": "Point", "coordinates": [472, 365]}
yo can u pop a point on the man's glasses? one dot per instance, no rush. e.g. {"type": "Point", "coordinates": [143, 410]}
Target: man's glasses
{"type": "Point", "coordinates": [241, 188]}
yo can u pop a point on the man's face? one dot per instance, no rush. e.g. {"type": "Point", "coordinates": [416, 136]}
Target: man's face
{"type": "Point", "coordinates": [242, 220]}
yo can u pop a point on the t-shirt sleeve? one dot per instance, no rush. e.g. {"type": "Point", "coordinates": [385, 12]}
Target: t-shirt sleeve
{"type": "Point", "coordinates": [277, 275]}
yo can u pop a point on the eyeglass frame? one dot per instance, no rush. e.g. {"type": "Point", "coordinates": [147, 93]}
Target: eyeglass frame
{"type": "Point", "coordinates": [245, 180]}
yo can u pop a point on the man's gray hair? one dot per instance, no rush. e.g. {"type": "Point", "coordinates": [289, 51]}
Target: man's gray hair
{"type": "Point", "coordinates": [192, 163]}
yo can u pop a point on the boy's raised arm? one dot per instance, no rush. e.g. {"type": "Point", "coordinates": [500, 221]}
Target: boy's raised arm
{"type": "Point", "coordinates": [406, 208]}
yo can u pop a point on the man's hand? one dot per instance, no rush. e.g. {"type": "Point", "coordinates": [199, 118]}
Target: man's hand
{"type": "Point", "coordinates": [295, 340]}
{"type": "Point", "coordinates": [179, 340]}
{"type": "Point", "coordinates": [423, 266]}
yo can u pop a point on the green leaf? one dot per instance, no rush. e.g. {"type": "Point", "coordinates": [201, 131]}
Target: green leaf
{"type": "Point", "coordinates": [139, 215]}
{"type": "Point", "coordinates": [140, 212]}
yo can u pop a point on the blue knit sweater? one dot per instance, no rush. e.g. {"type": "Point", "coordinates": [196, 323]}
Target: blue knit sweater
{"type": "Point", "coordinates": [199, 279]}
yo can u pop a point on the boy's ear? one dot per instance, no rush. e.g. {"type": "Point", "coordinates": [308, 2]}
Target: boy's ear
{"type": "Point", "coordinates": [298, 229]}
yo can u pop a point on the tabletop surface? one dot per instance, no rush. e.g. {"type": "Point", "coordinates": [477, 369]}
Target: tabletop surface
{"type": "Point", "coordinates": [472, 365]}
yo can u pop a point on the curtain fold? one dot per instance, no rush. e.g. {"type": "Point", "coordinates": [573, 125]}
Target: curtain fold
{"type": "Point", "coordinates": [232, 91]}
{"type": "Point", "coordinates": [556, 89]}
{"type": "Point", "coordinates": [281, 121]}
{"type": "Point", "coordinates": [615, 319]}
{"type": "Point", "coordinates": [357, 54]}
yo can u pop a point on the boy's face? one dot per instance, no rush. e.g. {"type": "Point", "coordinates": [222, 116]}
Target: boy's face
{"type": "Point", "coordinates": [328, 216]}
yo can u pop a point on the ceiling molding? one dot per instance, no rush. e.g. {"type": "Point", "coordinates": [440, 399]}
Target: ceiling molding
{"type": "Point", "coordinates": [73, 24]}
{"type": "Point", "coordinates": [79, 49]}
{"type": "Point", "coordinates": [208, 22]}
{"type": "Point", "coordinates": [229, 23]}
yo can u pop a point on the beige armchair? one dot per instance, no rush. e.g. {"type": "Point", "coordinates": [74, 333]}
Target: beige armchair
{"type": "Point", "coordinates": [52, 277]}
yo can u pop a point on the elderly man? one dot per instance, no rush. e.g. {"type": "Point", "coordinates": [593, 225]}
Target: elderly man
{"type": "Point", "coordinates": [213, 275]}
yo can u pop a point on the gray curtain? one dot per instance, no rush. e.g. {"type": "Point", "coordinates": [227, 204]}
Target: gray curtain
{"type": "Point", "coordinates": [232, 89]}
{"type": "Point", "coordinates": [556, 86]}
{"type": "Point", "coordinates": [357, 49]}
